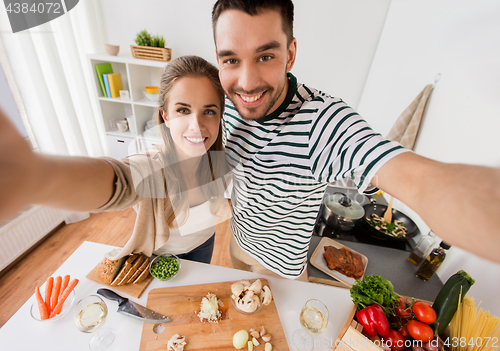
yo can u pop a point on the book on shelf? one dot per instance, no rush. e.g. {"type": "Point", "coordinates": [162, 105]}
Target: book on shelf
{"type": "Point", "coordinates": [101, 69]}
{"type": "Point", "coordinates": [115, 84]}
{"type": "Point", "coordinates": [106, 85]}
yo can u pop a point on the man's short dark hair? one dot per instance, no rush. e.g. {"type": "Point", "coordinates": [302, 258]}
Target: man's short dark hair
{"type": "Point", "coordinates": [254, 7]}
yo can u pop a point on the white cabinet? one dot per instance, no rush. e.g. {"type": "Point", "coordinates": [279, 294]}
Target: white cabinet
{"type": "Point", "coordinates": [136, 74]}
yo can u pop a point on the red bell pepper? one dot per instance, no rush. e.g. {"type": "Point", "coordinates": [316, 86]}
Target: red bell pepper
{"type": "Point", "coordinates": [373, 320]}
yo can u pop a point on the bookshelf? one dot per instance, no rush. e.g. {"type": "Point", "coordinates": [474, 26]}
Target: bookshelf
{"type": "Point", "coordinates": [136, 74]}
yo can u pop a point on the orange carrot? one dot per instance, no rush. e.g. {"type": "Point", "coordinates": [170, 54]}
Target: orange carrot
{"type": "Point", "coordinates": [63, 298]}
{"type": "Point", "coordinates": [44, 314]}
{"type": "Point", "coordinates": [48, 292]}
{"type": "Point", "coordinates": [55, 291]}
{"type": "Point", "coordinates": [64, 284]}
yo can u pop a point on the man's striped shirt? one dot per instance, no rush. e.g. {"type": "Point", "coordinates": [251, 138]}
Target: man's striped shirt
{"type": "Point", "coordinates": [282, 164]}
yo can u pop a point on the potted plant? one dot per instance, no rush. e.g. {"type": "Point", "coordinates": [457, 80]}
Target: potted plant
{"type": "Point", "coordinates": [150, 47]}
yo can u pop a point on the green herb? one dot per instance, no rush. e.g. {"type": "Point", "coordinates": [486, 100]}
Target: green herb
{"type": "Point", "coordinates": [165, 267]}
{"type": "Point", "coordinates": [374, 289]}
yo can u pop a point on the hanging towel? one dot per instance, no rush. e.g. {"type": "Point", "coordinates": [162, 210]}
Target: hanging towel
{"type": "Point", "coordinates": [405, 129]}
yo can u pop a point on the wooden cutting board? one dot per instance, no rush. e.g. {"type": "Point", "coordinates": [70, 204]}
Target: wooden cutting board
{"type": "Point", "coordinates": [183, 302]}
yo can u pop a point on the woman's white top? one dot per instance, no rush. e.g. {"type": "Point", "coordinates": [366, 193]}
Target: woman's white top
{"type": "Point", "coordinates": [198, 228]}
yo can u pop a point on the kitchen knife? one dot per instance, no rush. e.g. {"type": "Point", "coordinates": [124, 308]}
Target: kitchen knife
{"type": "Point", "coordinates": [132, 309]}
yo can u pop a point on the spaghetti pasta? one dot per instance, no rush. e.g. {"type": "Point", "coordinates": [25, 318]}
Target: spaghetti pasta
{"type": "Point", "coordinates": [472, 329]}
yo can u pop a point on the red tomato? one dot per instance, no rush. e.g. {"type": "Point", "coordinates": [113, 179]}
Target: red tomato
{"type": "Point", "coordinates": [402, 309]}
{"type": "Point", "coordinates": [424, 312]}
{"type": "Point", "coordinates": [404, 333]}
{"type": "Point", "coordinates": [419, 331]}
{"type": "Point", "coordinates": [394, 340]}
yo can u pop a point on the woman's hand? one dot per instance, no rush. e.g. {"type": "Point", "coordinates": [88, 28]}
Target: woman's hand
{"type": "Point", "coordinates": [27, 177]}
{"type": "Point", "coordinates": [17, 169]}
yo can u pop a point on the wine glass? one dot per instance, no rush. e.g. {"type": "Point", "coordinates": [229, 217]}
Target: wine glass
{"type": "Point", "coordinates": [90, 315]}
{"type": "Point", "coordinates": [313, 319]}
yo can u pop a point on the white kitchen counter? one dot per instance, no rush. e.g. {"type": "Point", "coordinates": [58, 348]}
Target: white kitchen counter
{"type": "Point", "coordinates": [21, 332]}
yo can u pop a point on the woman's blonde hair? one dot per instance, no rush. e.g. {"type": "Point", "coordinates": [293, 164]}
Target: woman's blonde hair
{"type": "Point", "coordinates": [212, 167]}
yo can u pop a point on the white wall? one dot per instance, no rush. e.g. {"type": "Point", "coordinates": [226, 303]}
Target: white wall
{"type": "Point", "coordinates": [336, 39]}
{"type": "Point", "coordinates": [460, 40]}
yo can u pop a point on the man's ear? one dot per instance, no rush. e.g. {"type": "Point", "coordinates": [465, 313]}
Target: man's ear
{"type": "Point", "coordinates": [165, 118]}
{"type": "Point", "coordinates": [292, 53]}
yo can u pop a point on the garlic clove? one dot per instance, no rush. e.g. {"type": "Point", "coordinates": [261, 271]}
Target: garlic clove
{"type": "Point", "coordinates": [268, 347]}
{"type": "Point", "coordinates": [266, 337]}
{"type": "Point", "coordinates": [255, 342]}
{"type": "Point", "coordinates": [262, 331]}
{"type": "Point", "coordinates": [254, 334]}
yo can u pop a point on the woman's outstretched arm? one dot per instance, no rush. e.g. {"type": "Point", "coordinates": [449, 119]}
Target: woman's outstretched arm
{"type": "Point", "coordinates": [26, 177]}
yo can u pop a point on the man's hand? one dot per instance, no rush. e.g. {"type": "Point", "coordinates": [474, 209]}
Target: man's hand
{"type": "Point", "coordinates": [461, 203]}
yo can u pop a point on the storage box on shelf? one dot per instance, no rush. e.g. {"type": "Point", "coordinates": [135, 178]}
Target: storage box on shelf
{"type": "Point", "coordinates": [136, 74]}
{"type": "Point", "coordinates": [151, 53]}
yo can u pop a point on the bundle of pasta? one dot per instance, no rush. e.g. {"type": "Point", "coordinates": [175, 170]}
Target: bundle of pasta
{"type": "Point", "coordinates": [473, 330]}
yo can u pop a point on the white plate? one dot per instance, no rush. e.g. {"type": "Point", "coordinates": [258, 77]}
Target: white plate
{"type": "Point", "coordinates": [318, 261]}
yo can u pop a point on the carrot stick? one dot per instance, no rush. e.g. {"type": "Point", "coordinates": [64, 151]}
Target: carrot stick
{"type": "Point", "coordinates": [48, 292]}
{"type": "Point", "coordinates": [42, 307]}
{"type": "Point", "coordinates": [64, 284]}
{"type": "Point", "coordinates": [63, 298]}
{"type": "Point", "coordinates": [55, 291]}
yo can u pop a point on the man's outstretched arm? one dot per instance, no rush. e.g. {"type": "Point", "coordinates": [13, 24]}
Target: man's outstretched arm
{"type": "Point", "coordinates": [461, 203]}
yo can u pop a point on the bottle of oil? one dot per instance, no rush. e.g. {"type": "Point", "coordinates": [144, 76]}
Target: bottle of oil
{"type": "Point", "coordinates": [432, 262]}
{"type": "Point", "coordinates": [422, 248]}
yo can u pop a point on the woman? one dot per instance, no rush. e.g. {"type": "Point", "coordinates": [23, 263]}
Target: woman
{"type": "Point", "coordinates": [176, 188]}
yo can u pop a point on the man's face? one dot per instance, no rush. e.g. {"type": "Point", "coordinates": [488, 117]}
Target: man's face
{"type": "Point", "coordinates": [253, 58]}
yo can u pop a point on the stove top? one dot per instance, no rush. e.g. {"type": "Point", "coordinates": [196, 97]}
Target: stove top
{"type": "Point", "coordinates": [358, 234]}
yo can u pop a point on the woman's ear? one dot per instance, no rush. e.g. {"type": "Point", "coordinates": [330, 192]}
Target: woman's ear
{"type": "Point", "coordinates": [165, 118]}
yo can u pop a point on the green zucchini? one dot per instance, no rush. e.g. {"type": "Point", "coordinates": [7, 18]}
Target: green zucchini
{"type": "Point", "coordinates": [446, 303]}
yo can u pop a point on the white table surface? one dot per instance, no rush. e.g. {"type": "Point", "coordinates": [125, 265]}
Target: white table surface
{"type": "Point", "coordinates": [21, 332]}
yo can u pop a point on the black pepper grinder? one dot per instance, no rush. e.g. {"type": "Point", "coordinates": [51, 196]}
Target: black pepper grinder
{"type": "Point", "coordinates": [432, 262]}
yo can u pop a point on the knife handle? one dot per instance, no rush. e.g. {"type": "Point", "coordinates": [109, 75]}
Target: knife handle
{"type": "Point", "coordinates": [109, 294]}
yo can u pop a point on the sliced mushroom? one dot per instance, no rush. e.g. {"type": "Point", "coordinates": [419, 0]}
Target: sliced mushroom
{"type": "Point", "coordinates": [176, 343]}
{"type": "Point", "coordinates": [266, 296]}
{"type": "Point", "coordinates": [249, 303]}
{"type": "Point", "coordinates": [256, 287]}
{"type": "Point", "coordinates": [237, 289]}
{"type": "Point", "coordinates": [245, 283]}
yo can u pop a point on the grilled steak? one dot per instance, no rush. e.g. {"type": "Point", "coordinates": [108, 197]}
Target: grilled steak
{"type": "Point", "coordinates": [344, 261]}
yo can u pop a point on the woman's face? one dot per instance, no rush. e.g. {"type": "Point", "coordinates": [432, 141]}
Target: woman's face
{"type": "Point", "coordinates": [193, 115]}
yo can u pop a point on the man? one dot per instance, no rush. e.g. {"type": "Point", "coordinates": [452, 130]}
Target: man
{"type": "Point", "coordinates": [289, 140]}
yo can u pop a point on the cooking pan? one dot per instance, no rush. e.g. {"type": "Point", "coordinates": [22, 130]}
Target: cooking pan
{"type": "Point", "coordinates": [396, 215]}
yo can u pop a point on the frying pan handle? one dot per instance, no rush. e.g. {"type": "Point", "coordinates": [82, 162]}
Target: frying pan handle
{"type": "Point", "coordinates": [372, 200]}
{"type": "Point", "coordinates": [109, 294]}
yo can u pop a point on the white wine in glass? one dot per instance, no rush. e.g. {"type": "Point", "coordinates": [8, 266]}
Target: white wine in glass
{"type": "Point", "coordinates": [313, 319]}
{"type": "Point", "coordinates": [90, 315]}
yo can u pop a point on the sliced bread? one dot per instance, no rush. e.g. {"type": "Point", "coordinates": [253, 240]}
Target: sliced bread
{"type": "Point", "coordinates": [135, 265]}
{"type": "Point", "coordinates": [124, 270]}
{"type": "Point", "coordinates": [144, 274]}
{"type": "Point", "coordinates": [108, 270]}
{"type": "Point", "coordinates": [144, 266]}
